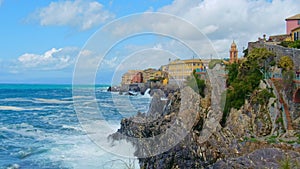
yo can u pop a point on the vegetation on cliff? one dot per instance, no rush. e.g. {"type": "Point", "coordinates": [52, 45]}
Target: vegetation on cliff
{"type": "Point", "coordinates": [197, 84]}
{"type": "Point", "coordinates": [244, 78]}
{"type": "Point", "coordinates": [286, 63]}
{"type": "Point", "coordinates": [291, 44]}
{"type": "Point", "coordinates": [213, 63]}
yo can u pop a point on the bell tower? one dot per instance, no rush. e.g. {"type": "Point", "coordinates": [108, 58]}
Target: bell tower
{"type": "Point", "coordinates": [233, 53]}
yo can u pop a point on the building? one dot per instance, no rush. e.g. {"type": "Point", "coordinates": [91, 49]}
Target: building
{"type": "Point", "coordinates": [138, 78]}
{"type": "Point", "coordinates": [149, 74]}
{"type": "Point", "coordinates": [179, 70]}
{"type": "Point", "coordinates": [292, 31]}
{"type": "Point", "coordinates": [233, 53]}
{"type": "Point", "coordinates": [296, 34]}
{"type": "Point", "coordinates": [292, 23]}
{"type": "Point", "coordinates": [128, 76]}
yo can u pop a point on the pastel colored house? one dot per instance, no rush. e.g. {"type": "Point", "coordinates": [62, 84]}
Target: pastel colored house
{"type": "Point", "coordinates": [293, 27]}
{"type": "Point", "coordinates": [138, 78]}
{"type": "Point", "coordinates": [179, 70]}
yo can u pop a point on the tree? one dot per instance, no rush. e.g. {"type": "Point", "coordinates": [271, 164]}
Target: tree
{"type": "Point", "coordinates": [257, 59]}
{"type": "Point", "coordinates": [244, 78]}
{"type": "Point", "coordinates": [259, 53]}
{"type": "Point", "coordinates": [196, 83]}
{"type": "Point", "coordinates": [245, 52]}
{"type": "Point", "coordinates": [286, 63]}
{"type": "Point", "coordinates": [232, 72]}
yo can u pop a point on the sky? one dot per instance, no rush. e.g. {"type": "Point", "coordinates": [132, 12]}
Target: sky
{"type": "Point", "coordinates": [52, 41]}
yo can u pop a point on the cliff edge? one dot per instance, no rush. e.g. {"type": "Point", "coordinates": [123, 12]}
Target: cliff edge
{"type": "Point", "coordinates": [185, 132]}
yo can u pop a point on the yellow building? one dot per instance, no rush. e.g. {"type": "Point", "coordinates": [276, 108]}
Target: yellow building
{"type": "Point", "coordinates": [179, 70]}
{"type": "Point", "coordinates": [153, 75]}
{"type": "Point", "coordinates": [128, 76]}
{"type": "Point", "coordinates": [149, 74]}
{"type": "Point", "coordinates": [295, 34]}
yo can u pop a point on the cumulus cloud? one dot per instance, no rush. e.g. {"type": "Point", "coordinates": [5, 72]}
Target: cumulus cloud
{"type": "Point", "coordinates": [240, 20]}
{"type": "Point", "coordinates": [221, 21]}
{"type": "Point", "coordinates": [79, 14]}
{"type": "Point", "coordinates": [53, 59]}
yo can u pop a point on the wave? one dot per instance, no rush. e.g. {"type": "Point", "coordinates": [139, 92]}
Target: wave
{"type": "Point", "coordinates": [14, 108]}
{"type": "Point", "coordinates": [77, 97]}
{"type": "Point", "coordinates": [147, 93]}
{"type": "Point", "coordinates": [25, 130]}
{"type": "Point", "coordinates": [51, 101]}
{"type": "Point", "coordinates": [17, 99]}
{"type": "Point", "coordinates": [13, 166]}
{"type": "Point", "coordinates": [76, 128]}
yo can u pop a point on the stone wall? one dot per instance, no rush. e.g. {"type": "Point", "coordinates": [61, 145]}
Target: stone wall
{"type": "Point", "coordinates": [278, 50]}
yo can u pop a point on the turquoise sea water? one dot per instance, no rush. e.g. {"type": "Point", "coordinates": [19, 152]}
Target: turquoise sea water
{"type": "Point", "coordinates": [39, 127]}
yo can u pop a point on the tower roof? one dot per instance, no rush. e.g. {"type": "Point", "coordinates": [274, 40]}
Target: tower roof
{"type": "Point", "coordinates": [233, 45]}
{"type": "Point", "coordinates": [295, 17]}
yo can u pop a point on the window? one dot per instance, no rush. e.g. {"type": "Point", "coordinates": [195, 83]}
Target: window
{"type": "Point", "coordinates": [296, 36]}
{"type": "Point", "coordinates": [299, 22]}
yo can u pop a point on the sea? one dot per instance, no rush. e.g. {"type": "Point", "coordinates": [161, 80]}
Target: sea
{"type": "Point", "coordinates": [39, 127]}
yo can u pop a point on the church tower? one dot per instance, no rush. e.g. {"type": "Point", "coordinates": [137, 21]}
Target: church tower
{"type": "Point", "coordinates": [233, 53]}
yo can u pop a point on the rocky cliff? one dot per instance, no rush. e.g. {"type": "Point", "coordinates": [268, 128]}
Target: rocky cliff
{"type": "Point", "coordinates": [184, 132]}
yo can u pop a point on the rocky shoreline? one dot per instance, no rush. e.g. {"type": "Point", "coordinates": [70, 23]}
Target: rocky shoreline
{"type": "Point", "coordinates": [199, 140]}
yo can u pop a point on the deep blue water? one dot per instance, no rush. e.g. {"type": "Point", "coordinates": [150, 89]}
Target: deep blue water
{"type": "Point", "coordinates": [40, 129]}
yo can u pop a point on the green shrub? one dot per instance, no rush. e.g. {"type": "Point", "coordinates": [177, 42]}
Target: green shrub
{"type": "Point", "coordinates": [243, 79]}
{"type": "Point", "coordinates": [197, 84]}
{"type": "Point", "coordinates": [288, 163]}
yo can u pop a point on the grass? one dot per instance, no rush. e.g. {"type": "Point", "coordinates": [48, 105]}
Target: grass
{"type": "Point", "coordinates": [272, 139]}
{"type": "Point", "coordinates": [288, 163]}
{"type": "Point", "coordinates": [252, 139]}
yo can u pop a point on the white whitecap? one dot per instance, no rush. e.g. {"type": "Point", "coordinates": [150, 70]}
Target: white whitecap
{"type": "Point", "coordinates": [12, 108]}
{"type": "Point", "coordinates": [51, 101]}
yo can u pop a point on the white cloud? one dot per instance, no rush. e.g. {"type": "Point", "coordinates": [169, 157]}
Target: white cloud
{"type": "Point", "coordinates": [54, 59]}
{"type": "Point", "coordinates": [241, 20]}
{"type": "Point", "coordinates": [221, 21]}
{"type": "Point", "coordinates": [79, 14]}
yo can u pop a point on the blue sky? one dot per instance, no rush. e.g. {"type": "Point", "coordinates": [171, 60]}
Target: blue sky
{"type": "Point", "coordinates": [40, 40]}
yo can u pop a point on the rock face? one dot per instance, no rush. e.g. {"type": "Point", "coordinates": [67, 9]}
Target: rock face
{"type": "Point", "coordinates": [184, 132]}
{"type": "Point", "coordinates": [262, 158]}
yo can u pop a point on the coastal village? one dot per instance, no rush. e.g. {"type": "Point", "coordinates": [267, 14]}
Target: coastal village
{"type": "Point", "coordinates": [177, 71]}
{"type": "Point", "coordinates": [259, 118]}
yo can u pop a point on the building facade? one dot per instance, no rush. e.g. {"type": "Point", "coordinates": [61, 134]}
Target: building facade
{"type": "Point", "coordinates": [292, 23]}
{"type": "Point", "coordinates": [179, 70]}
{"type": "Point", "coordinates": [128, 76]}
{"type": "Point", "coordinates": [138, 78]}
{"type": "Point", "coordinates": [296, 34]}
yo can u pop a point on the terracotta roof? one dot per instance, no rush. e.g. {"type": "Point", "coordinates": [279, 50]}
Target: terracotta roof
{"type": "Point", "coordinates": [295, 17]}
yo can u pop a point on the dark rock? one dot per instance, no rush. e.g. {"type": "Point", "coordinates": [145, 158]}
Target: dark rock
{"type": "Point", "coordinates": [109, 89]}
{"type": "Point", "coordinates": [195, 138]}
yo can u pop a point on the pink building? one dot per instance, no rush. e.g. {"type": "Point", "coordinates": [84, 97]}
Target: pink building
{"type": "Point", "coordinates": [292, 23]}
{"type": "Point", "coordinates": [138, 78]}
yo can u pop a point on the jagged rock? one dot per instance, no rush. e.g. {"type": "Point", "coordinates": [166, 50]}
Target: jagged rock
{"type": "Point", "coordinates": [188, 135]}
{"type": "Point", "coordinates": [262, 158]}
